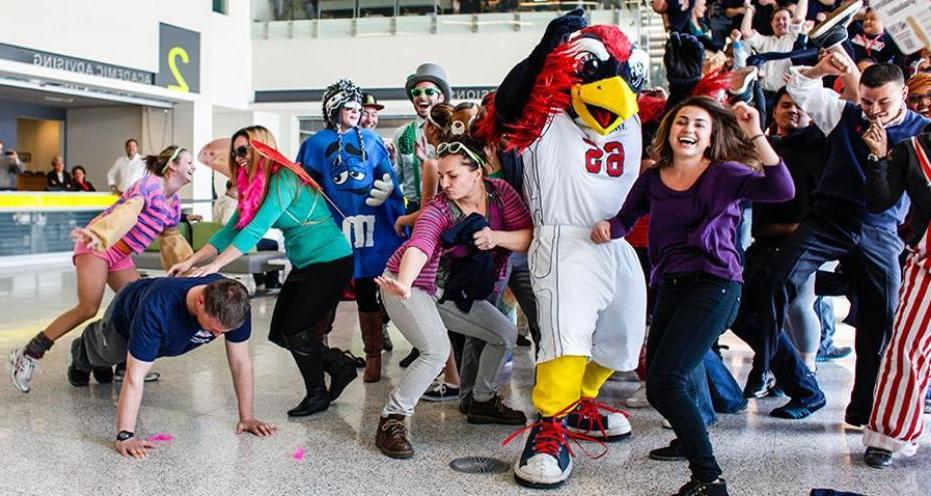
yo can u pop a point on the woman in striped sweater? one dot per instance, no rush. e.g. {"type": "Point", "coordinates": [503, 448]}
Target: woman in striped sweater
{"type": "Point", "coordinates": [103, 254]}
{"type": "Point", "coordinates": [490, 221]}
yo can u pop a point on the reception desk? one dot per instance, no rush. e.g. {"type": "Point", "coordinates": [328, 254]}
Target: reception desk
{"type": "Point", "coordinates": [33, 222]}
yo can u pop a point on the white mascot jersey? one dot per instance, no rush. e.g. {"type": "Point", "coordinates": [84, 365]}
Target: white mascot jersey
{"type": "Point", "coordinates": [575, 177]}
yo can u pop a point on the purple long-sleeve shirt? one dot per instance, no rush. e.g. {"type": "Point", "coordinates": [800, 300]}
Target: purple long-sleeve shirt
{"type": "Point", "coordinates": [696, 230]}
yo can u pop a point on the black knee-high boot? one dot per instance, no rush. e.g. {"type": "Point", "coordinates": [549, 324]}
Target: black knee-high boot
{"type": "Point", "coordinates": [308, 355]}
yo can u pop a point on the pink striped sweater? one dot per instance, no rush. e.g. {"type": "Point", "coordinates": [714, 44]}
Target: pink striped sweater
{"type": "Point", "coordinates": [506, 212]}
{"type": "Point", "coordinates": [158, 214]}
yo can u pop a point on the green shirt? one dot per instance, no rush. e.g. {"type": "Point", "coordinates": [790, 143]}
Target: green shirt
{"type": "Point", "coordinates": [310, 234]}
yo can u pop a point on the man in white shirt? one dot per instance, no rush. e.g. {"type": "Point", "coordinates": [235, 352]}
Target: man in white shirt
{"type": "Point", "coordinates": [10, 166]}
{"type": "Point", "coordinates": [127, 169]}
{"type": "Point", "coordinates": [787, 26]}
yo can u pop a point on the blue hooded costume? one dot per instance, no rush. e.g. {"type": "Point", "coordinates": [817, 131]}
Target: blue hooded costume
{"type": "Point", "coordinates": [347, 176]}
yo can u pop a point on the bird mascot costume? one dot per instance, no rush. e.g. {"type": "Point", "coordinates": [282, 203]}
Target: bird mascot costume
{"type": "Point", "coordinates": [570, 109]}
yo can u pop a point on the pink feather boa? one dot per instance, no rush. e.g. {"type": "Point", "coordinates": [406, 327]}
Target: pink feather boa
{"type": "Point", "coordinates": [251, 192]}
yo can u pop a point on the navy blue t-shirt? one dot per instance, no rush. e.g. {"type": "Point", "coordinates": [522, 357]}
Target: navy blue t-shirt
{"type": "Point", "coordinates": [152, 315]}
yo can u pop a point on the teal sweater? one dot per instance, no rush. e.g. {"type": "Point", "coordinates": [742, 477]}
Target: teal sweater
{"type": "Point", "coordinates": [310, 234]}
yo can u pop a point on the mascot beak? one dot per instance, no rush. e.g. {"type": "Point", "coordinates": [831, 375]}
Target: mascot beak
{"type": "Point", "coordinates": [604, 104]}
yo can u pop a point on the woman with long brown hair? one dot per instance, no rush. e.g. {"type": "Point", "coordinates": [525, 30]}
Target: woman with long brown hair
{"type": "Point", "coordinates": [271, 194]}
{"type": "Point", "coordinates": [103, 254]}
{"type": "Point", "coordinates": [693, 196]}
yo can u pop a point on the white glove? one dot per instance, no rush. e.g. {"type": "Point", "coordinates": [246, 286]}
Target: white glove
{"type": "Point", "coordinates": [381, 191]}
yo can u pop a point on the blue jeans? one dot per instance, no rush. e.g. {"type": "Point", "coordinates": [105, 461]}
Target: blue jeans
{"type": "Point", "coordinates": [691, 311]}
{"type": "Point", "coordinates": [714, 389]}
{"type": "Point", "coordinates": [869, 255]}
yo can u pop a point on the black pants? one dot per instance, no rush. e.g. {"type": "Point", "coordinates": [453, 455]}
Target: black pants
{"type": "Point", "coordinates": [870, 256]}
{"type": "Point", "coordinates": [691, 312]}
{"type": "Point", "coordinates": [308, 295]}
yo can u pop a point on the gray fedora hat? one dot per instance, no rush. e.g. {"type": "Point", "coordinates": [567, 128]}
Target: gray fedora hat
{"type": "Point", "coordinates": [429, 72]}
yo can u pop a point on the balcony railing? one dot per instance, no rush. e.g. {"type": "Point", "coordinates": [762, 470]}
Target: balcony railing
{"type": "Point", "coordinates": [297, 10]}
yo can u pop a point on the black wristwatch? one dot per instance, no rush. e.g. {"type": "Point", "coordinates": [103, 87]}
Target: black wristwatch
{"type": "Point", "coordinates": [124, 435]}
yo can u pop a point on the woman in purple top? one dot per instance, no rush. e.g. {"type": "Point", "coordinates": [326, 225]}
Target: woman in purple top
{"type": "Point", "coordinates": [426, 262]}
{"type": "Point", "coordinates": [692, 195]}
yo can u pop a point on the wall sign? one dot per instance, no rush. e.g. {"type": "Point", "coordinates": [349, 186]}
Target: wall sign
{"type": "Point", "coordinates": [74, 64]}
{"type": "Point", "coordinates": [280, 96]}
{"type": "Point", "coordinates": [179, 59]}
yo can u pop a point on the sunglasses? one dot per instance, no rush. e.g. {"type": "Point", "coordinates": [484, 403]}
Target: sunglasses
{"type": "Point", "coordinates": [456, 148]}
{"type": "Point", "coordinates": [917, 97]}
{"type": "Point", "coordinates": [416, 92]}
{"type": "Point", "coordinates": [241, 152]}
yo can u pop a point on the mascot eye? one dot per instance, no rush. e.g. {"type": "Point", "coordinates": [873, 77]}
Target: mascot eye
{"type": "Point", "coordinates": [589, 65]}
{"type": "Point", "coordinates": [341, 177]}
{"type": "Point", "coordinates": [357, 175]}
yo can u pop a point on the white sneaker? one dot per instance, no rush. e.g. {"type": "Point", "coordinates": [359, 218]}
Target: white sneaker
{"type": "Point", "coordinates": [23, 368]}
{"type": "Point", "coordinates": [666, 424]}
{"type": "Point", "coordinates": [639, 398]}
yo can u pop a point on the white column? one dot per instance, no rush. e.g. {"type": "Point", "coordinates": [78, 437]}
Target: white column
{"type": "Point", "coordinates": [192, 129]}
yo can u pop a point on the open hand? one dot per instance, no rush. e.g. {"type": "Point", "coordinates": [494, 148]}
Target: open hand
{"type": "Point", "coordinates": [255, 426]}
{"type": "Point", "coordinates": [134, 447]}
{"type": "Point", "coordinates": [392, 286]}
{"type": "Point", "coordinates": [84, 237]}
{"type": "Point", "coordinates": [180, 268]}
{"type": "Point", "coordinates": [381, 190]}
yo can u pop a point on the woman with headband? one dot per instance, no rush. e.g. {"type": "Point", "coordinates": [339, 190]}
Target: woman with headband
{"type": "Point", "coordinates": [276, 193]}
{"type": "Point", "coordinates": [103, 253]}
{"type": "Point", "coordinates": [460, 245]}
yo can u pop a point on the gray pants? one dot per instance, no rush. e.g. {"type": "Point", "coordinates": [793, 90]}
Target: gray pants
{"type": "Point", "coordinates": [99, 346]}
{"type": "Point", "coordinates": [424, 324]}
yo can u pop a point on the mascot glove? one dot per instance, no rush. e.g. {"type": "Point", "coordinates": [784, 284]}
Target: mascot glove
{"type": "Point", "coordinates": [684, 58]}
{"type": "Point", "coordinates": [381, 191]}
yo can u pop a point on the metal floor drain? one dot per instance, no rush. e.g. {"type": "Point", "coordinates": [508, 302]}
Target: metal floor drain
{"type": "Point", "coordinates": [479, 465]}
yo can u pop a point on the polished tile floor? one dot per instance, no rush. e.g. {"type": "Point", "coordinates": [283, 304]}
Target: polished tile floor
{"type": "Point", "coordinates": [57, 439]}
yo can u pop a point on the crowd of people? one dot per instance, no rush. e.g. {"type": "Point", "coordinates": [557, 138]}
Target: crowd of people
{"type": "Point", "coordinates": [786, 162]}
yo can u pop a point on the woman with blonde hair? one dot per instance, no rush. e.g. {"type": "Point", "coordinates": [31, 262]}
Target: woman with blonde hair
{"type": "Point", "coordinates": [273, 192]}
{"type": "Point", "coordinates": [103, 253]}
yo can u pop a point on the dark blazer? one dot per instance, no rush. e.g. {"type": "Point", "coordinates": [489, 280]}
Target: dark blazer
{"type": "Point", "coordinates": [51, 181]}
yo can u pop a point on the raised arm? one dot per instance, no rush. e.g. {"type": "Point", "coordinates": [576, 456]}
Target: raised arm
{"type": "Point", "coordinates": [823, 105]}
{"type": "Point", "coordinates": [746, 24]}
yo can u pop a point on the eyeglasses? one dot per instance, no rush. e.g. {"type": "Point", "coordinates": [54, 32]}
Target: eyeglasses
{"type": "Point", "coordinates": [241, 152]}
{"type": "Point", "coordinates": [455, 148]}
{"type": "Point", "coordinates": [416, 92]}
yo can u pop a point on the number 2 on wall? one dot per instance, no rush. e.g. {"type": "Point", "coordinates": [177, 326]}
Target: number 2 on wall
{"type": "Point", "coordinates": [173, 55]}
{"type": "Point", "coordinates": [613, 163]}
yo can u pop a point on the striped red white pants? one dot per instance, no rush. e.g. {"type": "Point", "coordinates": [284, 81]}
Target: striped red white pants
{"type": "Point", "coordinates": [896, 422]}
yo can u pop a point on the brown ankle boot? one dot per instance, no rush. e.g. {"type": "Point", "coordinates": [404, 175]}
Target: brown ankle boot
{"type": "Point", "coordinates": [370, 323]}
{"type": "Point", "coordinates": [392, 437]}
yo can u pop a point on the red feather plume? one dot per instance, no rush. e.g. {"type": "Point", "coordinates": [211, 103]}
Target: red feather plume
{"type": "Point", "coordinates": [715, 86]}
{"type": "Point", "coordinates": [613, 38]}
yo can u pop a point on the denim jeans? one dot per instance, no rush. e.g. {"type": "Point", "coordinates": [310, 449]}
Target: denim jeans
{"type": "Point", "coordinates": [869, 255]}
{"type": "Point", "coordinates": [691, 311]}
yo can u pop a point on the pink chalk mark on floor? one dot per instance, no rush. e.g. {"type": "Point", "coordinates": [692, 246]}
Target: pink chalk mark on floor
{"type": "Point", "coordinates": [299, 455]}
{"type": "Point", "coordinates": [161, 437]}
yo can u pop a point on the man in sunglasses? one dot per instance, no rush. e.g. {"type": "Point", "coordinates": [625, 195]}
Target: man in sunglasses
{"type": "Point", "coordinates": [425, 88]}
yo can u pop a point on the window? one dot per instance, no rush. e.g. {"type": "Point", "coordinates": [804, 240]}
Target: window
{"type": "Point", "coordinates": [219, 6]}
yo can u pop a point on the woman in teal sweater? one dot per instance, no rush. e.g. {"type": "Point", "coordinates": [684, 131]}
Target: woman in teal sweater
{"type": "Point", "coordinates": [273, 196]}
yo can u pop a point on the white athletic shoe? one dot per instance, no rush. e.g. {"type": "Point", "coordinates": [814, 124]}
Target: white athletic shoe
{"type": "Point", "coordinates": [598, 421]}
{"type": "Point", "coordinates": [23, 367]}
{"type": "Point", "coordinates": [545, 462]}
{"type": "Point", "coordinates": [639, 398]}
{"type": "Point", "coordinates": [666, 424]}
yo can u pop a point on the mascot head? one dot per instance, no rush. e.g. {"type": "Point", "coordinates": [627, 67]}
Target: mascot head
{"type": "Point", "coordinates": [604, 93]}
{"type": "Point", "coordinates": [592, 73]}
